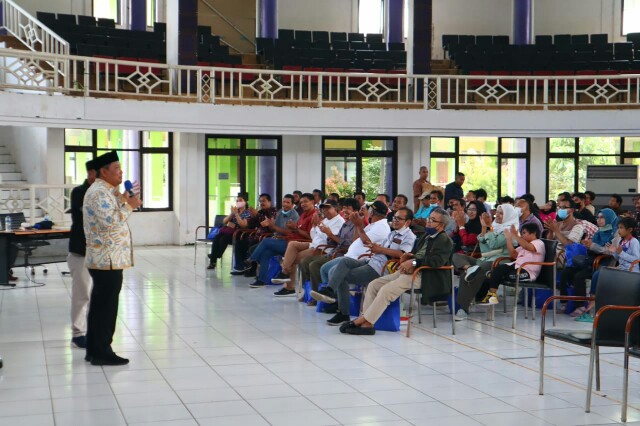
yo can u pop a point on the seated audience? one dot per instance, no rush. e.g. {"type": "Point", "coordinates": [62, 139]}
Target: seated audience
{"type": "Point", "coordinates": [237, 219]}
{"type": "Point", "coordinates": [581, 210]}
{"type": "Point", "coordinates": [481, 195]}
{"type": "Point", "coordinates": [318, 197]}
{"type": "Point", "coordinates": [430, 201]}
{"type": "Point", "coordinates": [465, 239]}
{"type": "Point", "coordinates": [399, 202]}
{"type": "Point", "coordinates": [340, 242]}
{"type": "Point", "coordinates": [625, 249]}
{"type": "Point", "coordinates": [298, 250]}
{"type": "Point", "coordinates": [530, 249]}
{"type": "Point", "coordinates": [577, 274]}
{"type": "Point", "coordinates": [615, 204]}
{"type": "Point", "coordinates": [548, 211]}
{"type": "Point", "coordinates": [335, 197]}
{"type": "Point", "coordinates": [493, 245]}
{"type": "Point", "coordinates": [590, 197]}
{"type": "Point", "coordinates": [348, 271]}
{"type": "Point", "coordinates": [432, 249]}
{"type": "Point", "coordinates": [454, 189]}
{"type": "Point", "coordinates": [471, 196]}
{"type": "Point", "coordinates": [296, 201]}
{"type": "Point", "coordinates": [566, 229]}
{"type": "Point", "coordinates": [524, 208]}
{"type": "Point", "coordinates": [243, 245]}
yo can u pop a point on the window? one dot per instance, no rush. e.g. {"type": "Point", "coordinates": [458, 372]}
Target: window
{"type": "Point", "coordinates": [405, 19]}
{"type": "Point", "coordinates": [630, 16]}
{"type": "Point", "coordinates": [568, 158]}
{"type": "Point", "coordinates": [107, 9]}
{"type": "Point", "coordinates": [498, 165]}
{"type": "Point", "coordinates": [152, 7]}
{"type": "Point", "coordinates": [366, 164]}
{"type": "Point", "coordinates": [371, 17]}
{"type": "Point", "coordinates": [144, 156]}
{"type": "Point", "coordinates": [241, 164]}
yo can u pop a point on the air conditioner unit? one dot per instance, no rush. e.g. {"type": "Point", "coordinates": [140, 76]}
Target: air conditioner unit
{"type": "Point", "coordinates": [620, 179]}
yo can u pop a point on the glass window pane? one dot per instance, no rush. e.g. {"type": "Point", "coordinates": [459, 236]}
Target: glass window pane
{"type": "Point", "coordinates": [635, 161]}
{"type": "Point", "coordinates": [78, 137]}
{"type": "Point", "coordinates": [479, 145]}
{"type": "Point", "coordinates": [118, 139]}
{"type": "Point", "coordinates": [377, 177]}
{"type": "Point", "coordinates": [155, 184]}
{"type": "Point", "coordinates": [632, 144]}
{"type": "Point", "coordinates": [223, 143]}
{"type": "Point", "coordinates": [261, 178]}
{"type": "Point", "coordinates": [630, 16]}
{"type": "Point", "coordinates": [262, 144]}
{"type": "Point", "coordinates": [481, 172]}
{"type": "Point", "coordinates": [75, 171]}
{"type": "Point", "coordinates": [514, 177]}
{"type": "Point", "coordinates": [443, 145]}
{"type": "Point", "coordinates": [377, 145]}
{"type": "Point", "coordinates": [338, 144]}
{"type": "Point", "coordinates": [513, 145]}
{"type": "Point", "coordinates": [370, 17]}
{"type": "Point", "coordinates": [106, 9]}
{"type": "Point", "coordinates": [599, 145]}
{"type": "Point", "coordinates": [442, 171]}
{"type": "Point", "coordinates": [155, 139]}
{"type": "Point", "coordinates": [151, 12]}
{"type": "Point", "coordinates": [130, 164]}
{"type": "Point", "coordinates": [340, 175]}
{"type": "Point", "coordinates": [592, 160]}
{"type": "Point", "coordinates": [562, 145]}
{"type": "Point", "coordinates": [561, 174]}
{"type": "Point", "coordinates": [224, 184]}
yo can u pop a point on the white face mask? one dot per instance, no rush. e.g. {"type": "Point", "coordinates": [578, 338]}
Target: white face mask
{"type": "Point", "coordinates": [519, 211]}
{"type": "Point", "coordinates": [240, 204]}
{"type": "Point", "coordinates": [434, 205]}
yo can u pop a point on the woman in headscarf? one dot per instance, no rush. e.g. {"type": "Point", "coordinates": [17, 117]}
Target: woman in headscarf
{"type": "Point", "coordinates": [492, 243]}
{"type": "Point", "coordinates": [468, 230]}
{"type": "Point", "coordinates": [576, 276]}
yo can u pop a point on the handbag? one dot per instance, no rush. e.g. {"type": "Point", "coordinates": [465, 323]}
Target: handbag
{"type": "Point", "coordinates": [582, 261]}
{"type": "Point", "coordinates": [573, 250]}
{"type": "Point", "coordinates": [213, 232]}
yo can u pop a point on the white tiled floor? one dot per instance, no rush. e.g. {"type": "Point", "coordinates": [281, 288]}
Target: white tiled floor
{"type": "Point", "coordinates": [207, 350]}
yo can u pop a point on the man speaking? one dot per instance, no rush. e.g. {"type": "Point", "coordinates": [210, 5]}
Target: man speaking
{"type": "Point", "coordinates": [108, 253]}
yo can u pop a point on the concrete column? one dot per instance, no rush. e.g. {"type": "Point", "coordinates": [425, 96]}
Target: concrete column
{"type": "Point", "coordinates": [522, 21]}
{"type": "Point", "coordinates": [395, 21]}
{"type": "Point", "coordinates": [269, 18]}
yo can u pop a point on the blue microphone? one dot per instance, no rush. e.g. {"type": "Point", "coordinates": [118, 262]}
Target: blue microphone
{"type": "Point", "coordinates": [128, 186]}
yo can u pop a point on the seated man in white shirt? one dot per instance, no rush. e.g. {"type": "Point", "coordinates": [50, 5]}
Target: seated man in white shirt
{"type": "Point", "coordinates": [298, 250]}
{"type": "Point", "coordinates": [349, 269]}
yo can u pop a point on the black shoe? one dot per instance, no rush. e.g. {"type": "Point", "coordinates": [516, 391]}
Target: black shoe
{"type": "Point", "coordinates": [281, 278]}
{"type": "Point", "coordinates": [257, 284]}
{"type": "Point", "coordinates": [331, 308]}
{"type": "Point", "coordinates": [88, 358]}
{"type": "Point", "coordinates": [285, 292]}
{"type": "Point", "coordinates": [252, 272]}
{"type": "Point", "coordinates": [339, 319]}
{"type": "Point", "coordinates": [113, 359]}
{"type": "Point", "coordinates": [361, 331]}
{"type": "Point", "coordinates": [325, 295]}
{"type": "Point", "coordinates": [79, 342]}
{"type": "Point", "coordinates": [237, 272]}
{"type": "Point", "coordinates": [346, 325]}
{"type": "Point", "coordinates": [212, 265]}
{"type": "Point", "coordinates": [248, 262]}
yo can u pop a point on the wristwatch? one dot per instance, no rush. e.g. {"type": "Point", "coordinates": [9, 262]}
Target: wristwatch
{"type": "Point", "coordinates": [414, 263]}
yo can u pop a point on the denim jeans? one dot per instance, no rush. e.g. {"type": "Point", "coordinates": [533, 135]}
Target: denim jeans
{"type": "Point", "coordinates": [267, 248]}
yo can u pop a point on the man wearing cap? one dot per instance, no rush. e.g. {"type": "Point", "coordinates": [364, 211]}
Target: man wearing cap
{"type": "Point", "coordinates": [80, 278]}
{"type": "Point", "coordinates": [298, 250]}
{"type": "Point", "coordinates": [354, 268]}
{"type": "Point", "coordinates": [109, 251]}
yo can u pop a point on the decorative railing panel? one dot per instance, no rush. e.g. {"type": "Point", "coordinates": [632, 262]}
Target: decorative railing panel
{"type": "Point", "coordinates": [36, 201]}
{"type": "Point", "coordinates": [99, 77]}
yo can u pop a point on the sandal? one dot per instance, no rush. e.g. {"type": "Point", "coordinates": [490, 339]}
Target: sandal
{"type": "Point", "coordinates": [578, 311]}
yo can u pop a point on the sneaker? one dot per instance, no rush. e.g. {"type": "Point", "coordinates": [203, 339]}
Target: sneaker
{"type": "Point", "coordinates": [285, 292]}
{"type": "Point", "coordinates": [490, 299]}
{"type": "Point", "coordinates": [471, 273]}
{"type": "Point", "coordinates": [585, 317]}
{"type": "Point", "coordinates": [212, 265]}
{"type": "Point", "coordinates": [281, 278]}
{"type": "Point", "coordinates": [240, 271]}
{"type": "Point", "coordinates": [461, 315]}
{"type": "Point", "coordinates": [113, 359]}
{"type": "Point", "coordinates": [325, 295]}
{"type": "Point", "coordinates": [257, 284]}
{"type": "Point", "coordinates": [79, 342]}
{"type": "Point", "coordinates": [338, 319]}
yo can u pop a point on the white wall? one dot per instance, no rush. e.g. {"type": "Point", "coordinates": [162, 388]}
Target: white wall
{"type": "Point", "coordinates": [325, 15]}
{"type": "Point", "coordinates": [26, 144]}
{"type": "Point", "coordinates": [75, 7]}
{"type": "Point", "coordinates": [302, 163]}
{"type": "Point", "coordinates": [538, 169]}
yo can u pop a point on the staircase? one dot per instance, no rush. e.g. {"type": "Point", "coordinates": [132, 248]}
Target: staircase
{"type": "Point", "coordinates": [10, 175]}
{"type": "Point", "coordinates": [443, 67]}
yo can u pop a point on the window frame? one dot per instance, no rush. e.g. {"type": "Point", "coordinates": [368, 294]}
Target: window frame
{"type": "Point", "coordinates": [243, 152]}
{"type": "Point", "coordinates": [359, 153]}
{"type": "Point", "coordinates": [142, 151]}
{"type": "Point", "coordinates": [455, 155]}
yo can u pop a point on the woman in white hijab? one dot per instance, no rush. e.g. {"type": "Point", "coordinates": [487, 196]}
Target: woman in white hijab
{"type": "Point", "coordinates": [492, 243]}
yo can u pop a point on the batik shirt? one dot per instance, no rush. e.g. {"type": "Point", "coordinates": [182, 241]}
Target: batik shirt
{"type": "Point", "coordinates": [106, 229]}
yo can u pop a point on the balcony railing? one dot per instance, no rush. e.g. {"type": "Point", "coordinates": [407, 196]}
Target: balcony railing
{"type": "Point", "coordinates": [36, 201]}
{"type": "Point", "coordinates": [99, 77]}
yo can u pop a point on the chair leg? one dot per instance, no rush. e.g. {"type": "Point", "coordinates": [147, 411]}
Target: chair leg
{"type": "Point", "coordinates": [419, 303]}
{"type": "Point", "coordinates": [598, 368]}
{"type": "Point", "coordinates": [453, 306]}
{"type": "Point", "coordinates": [533, 305]}
{"type": "Point", "coordinates": [434, 315]}
{"type": "Point", "coordinates": [541, 385]}
{"type": "Point", "coordinates": [504, 301]}
{"type": "Point", "coordinates": [625, 381]}
{"type": "Point", "coordinates": [590, 379]}
{"type": "Point", "coordinates": [410, 313]}
{"type": "Point", "coordinates": [515, 307]}
{"type": "Point", "coordinates": [526, 303]}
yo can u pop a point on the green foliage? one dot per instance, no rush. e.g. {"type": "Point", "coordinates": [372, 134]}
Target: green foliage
{"type": "Point", "coordinates": [337, 183]}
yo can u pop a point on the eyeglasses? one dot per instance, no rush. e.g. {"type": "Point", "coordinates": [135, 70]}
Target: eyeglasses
{"type": "Point", "coordinates": [398, 218]}
{"type": "Point", "coordinates": [429, 219]}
